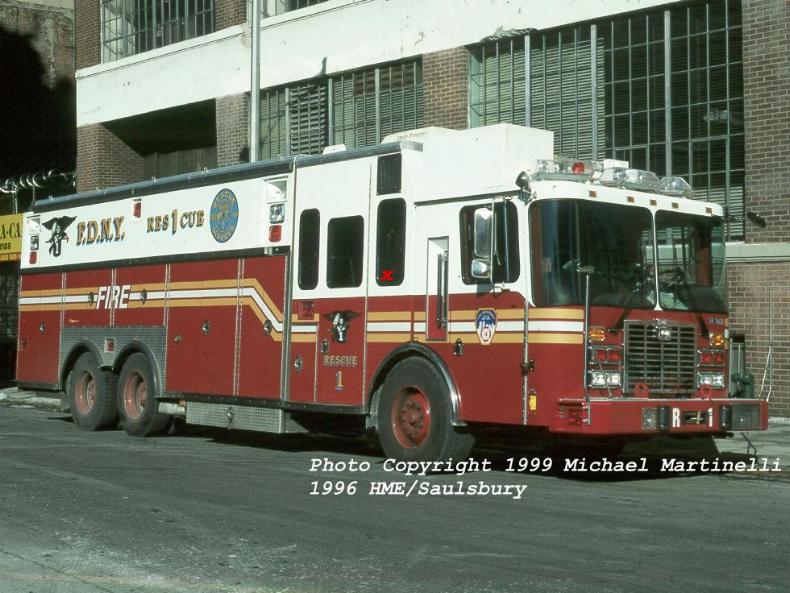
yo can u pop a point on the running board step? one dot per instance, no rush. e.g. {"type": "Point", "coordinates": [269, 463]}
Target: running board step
{"type": "Point", "coordinates": [242, 417]}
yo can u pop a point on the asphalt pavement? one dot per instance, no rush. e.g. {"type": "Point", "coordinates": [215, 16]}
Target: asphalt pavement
{"type": "Point", "coordinates": [210, 511]}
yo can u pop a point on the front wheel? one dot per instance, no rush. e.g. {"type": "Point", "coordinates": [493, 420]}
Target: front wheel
{"type": "Point", "coordinates": [137, 403]}
{"type": "Point", "coordinates": [415, 415]}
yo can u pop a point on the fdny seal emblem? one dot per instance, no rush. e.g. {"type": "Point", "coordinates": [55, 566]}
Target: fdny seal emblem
{"type": "Point", "coordinates": [485, 324]}
{"type": "Point", "coordinates": [224, 216]}
{"type": "Point", "coordinates": [341, 321]}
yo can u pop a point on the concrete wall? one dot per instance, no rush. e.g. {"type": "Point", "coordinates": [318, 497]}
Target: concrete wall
{"type": "Point", "coordinates": [330, 37]}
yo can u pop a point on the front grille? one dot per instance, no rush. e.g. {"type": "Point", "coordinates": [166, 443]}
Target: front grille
{"type": "Point", "coordinates": [665, 365]}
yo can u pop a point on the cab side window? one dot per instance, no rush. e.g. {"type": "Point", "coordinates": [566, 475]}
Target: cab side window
{"type": "Point", "coordinates": [390, 242]}
{"type": "Point", "coordinates": [345, 245]}
{"type": "Point", "coordinates": [309, 240]}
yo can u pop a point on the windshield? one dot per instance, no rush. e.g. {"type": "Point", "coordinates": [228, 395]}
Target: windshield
{"type": "Point", "coordinates": [613, 244]}
{"type": "Point", "coordinates": [690, 262]}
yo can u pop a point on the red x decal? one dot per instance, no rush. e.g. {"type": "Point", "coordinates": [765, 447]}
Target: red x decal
{"type": "Point", "coordinates": [386, 276]}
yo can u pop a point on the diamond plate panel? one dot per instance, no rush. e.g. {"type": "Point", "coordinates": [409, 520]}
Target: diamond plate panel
{"type": "Point", "coordinates": [241, 417]}
{"type": "Point", "coordinates": [153, 337]}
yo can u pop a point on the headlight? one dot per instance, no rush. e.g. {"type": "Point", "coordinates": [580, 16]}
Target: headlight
{"type": "Point", "coordinates": [604, 379]}
{"type": "Point", "coordinates": [715, 380]}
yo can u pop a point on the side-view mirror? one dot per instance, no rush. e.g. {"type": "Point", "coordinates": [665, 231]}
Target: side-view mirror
{"type": "Point", "coordinates": [480, 269]}
{"type": "Point", "coordinates": [482, 228]}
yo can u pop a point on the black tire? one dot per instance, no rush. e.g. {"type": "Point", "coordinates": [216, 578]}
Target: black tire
{"type": "Point", "coordinates": [414, 415]}
{"type": "Point", "coordinates": [91, 395]}
{"type": "Point", "coordinates": [137, 404]}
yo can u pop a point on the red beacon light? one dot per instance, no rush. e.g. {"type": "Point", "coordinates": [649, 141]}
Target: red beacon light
{"type": "Point", "coordinates": [561, 168]}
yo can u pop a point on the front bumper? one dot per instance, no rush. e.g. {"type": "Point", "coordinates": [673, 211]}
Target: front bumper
{"type": "Point", "coordinates": [641, 416]}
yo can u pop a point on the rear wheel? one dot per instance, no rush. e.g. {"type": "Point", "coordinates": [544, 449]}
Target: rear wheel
{"type": "Point", "coordinates": [415, 415]}
{"type": "Point", "coordinates": [137, 399]}
{"type": "Point", "coordinates": [91, 394]}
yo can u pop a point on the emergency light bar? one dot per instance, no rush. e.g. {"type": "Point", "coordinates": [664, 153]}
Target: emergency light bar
{"type": "Point", "coordinates": [611, 173]}
{"type": "Point", "coordinates": [635, 179]}
{"type": "Point", "coordinates": [562, 168]}
{"type": "Point", "coordinates": [675, 186]}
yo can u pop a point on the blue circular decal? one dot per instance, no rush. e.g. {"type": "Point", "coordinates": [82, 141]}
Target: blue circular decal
{"type": "Point", "coordinates": [224, 216]}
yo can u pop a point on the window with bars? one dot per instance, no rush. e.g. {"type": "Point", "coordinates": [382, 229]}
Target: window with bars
{"type": "Point", "coordinates": [356, 109]}
{"type": "Point", "coordinates": [662, 89]}
{"type": "Point", "coordinates": [273, 7]}
{"type": "Point", "coordinates": [134, 26]}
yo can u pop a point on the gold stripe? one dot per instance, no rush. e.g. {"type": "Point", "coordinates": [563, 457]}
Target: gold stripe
{"type": "Point", "coordinates": [462, 315]}
{"type": "Point", "coordinates": [149, 287]}
{"type": "Point", "coordinates": [556, 313]}
{"type": "Point", "coordinates": [504, 314]}
{"type": "Point", "coordinates": [82, 290]}
{"type": "Point", "coordinates": [303, 337]}
{"type": "Point", "coordinates": [40, 293]}
{"type": "Point", "coordinates": [554, 338]}
{"type": "Point", "coordinates": [389, 316]}
{"type": "Point", "coordinates": [376, 337]}
{"type": "Point", "coordinates": [215, 302]}
{"type": "Point", "coordinates": [419, 316]}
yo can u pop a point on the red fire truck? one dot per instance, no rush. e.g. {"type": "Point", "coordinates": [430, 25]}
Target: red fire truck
{"type": "Point", "coordinates": [428, 287]}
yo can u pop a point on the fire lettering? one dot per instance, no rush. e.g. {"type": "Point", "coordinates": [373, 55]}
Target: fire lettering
{"type": "Point", "coordinates": [113, 297]}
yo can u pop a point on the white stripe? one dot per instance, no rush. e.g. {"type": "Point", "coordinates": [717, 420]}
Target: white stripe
{"type": "Point", "coordinates": [151, 295]}
{"type": "Point", "coordinates": [556, 326]}
{"type": "Point", "coordinates": [304, 329]}
{"type": "Point", "coordinates": [389, 326]}
{"type": "Point", "coordinates": [47, 300]}
{"type": "Point", "coordinates": [419, 326]}
{"type": "Point", "coordinates": [510, 326]}
{"type": "Point", "coordinates": [251, 292]}
{"type": "Point", "coordinates": [462, 326]}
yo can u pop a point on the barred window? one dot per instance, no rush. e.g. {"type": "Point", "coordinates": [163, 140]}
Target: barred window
{"type": "Point", "coordinates": [662, 89]}
{"type": "Point", "coordinates": [356, 109]}
{"type": "Point", "coordinates": [134, 26]}
{"type": "Point", "coordinates": [369, 104]}
{"type": "Point", "coordinates": [281, 6]}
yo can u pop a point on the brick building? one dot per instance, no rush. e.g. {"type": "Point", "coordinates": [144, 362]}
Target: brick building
{"type": "Point", "coordinates": [694, 88]}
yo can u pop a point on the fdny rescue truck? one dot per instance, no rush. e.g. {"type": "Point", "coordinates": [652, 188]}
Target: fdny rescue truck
{"type": "Point", "coordinates": [427, 288]}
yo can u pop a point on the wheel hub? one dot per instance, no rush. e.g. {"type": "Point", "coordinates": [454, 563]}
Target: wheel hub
{"type": "Point", "coordinates": [85, 393]}
{"type": "Point", "coordinates": [411, 417]}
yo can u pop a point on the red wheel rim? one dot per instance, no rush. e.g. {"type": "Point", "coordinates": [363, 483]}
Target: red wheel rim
{"type": "Point", "coordinates": [135, 396]}
{"type": "Point", "coordinates": [411, 418]}
{"type": "Point", "coordinates": [85, 393]}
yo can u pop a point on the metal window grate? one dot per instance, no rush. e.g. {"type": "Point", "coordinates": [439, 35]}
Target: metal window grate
{"type": "Point", "coordinates": [134, 26]}
{"type": "Point", "coordinates": [355, 108]}
{"type": "Point", "coordinates": [662, 89]}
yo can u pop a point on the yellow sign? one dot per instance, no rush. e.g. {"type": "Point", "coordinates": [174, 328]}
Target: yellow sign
{"type": "Point", "coordinates": [10, 237]}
